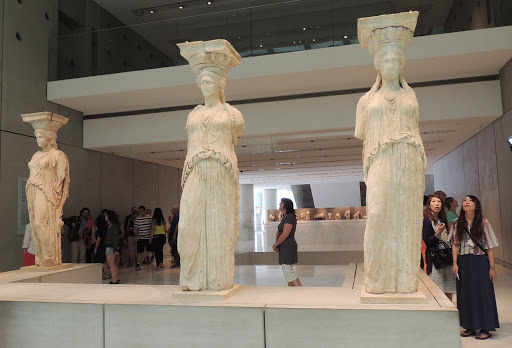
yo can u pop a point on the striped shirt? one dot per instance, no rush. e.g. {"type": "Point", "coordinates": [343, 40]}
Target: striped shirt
{"type": "Point", "coordinates": [467, 247]}
{"type": "Point", "coordinates": [144, 224]}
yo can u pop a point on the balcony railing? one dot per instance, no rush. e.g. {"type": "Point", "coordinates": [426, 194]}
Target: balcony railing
{"type": "Point", "coordinates": [288, 26]}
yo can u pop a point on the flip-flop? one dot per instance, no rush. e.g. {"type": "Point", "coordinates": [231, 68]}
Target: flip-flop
{"type": "Point", "coordinates": [468, 332]}
{"type": "Point", "coordinates": [483, 338]}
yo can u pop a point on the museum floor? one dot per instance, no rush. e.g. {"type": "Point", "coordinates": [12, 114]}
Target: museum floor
{"type": "Point", "coordinates": [321, 276]}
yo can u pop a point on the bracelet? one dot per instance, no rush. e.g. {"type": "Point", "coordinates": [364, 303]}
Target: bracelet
{"type": "Point", "coordinates": [492, 267]}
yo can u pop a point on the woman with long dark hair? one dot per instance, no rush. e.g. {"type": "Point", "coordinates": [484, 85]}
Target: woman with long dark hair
{"type": "Point", "coordinates": [100, 231]}
{"type": "Point", "coordinates": [473, 264]}
{"type": "Point", "coordinates": [434, 230]}
{"type": "Point", "coordinates": [285, 243]}
{"type": "Point", "coordinates": [112, 244]}
{"type": "Point", "coordinates": [158, 238]}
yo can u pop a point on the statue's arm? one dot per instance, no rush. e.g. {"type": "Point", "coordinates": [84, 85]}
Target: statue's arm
{"type": "Point", "coordinates": [361, 118]}
{"type": "Point", "coordinates": [62, 169]}
{"type": "Point", "coordinates": [238, 124]}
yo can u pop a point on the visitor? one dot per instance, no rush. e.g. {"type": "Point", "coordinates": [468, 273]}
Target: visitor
{"type": "Point", "coordinates": [29, 248]}
{"type": "Point", "coordinates": [473, 263]}
{"type": "Point", "coordinates": [112, 244]}
{"type": "Point", "coordinates": [129, 227]}
{"type": "Point", "coordinates": [285, 243]}
{"type": "Point", "coordinates": [434, 230]}
{"type": "Point", "coordinates": [173, 237]}
{"type": "Point", "coordinates": [100, 231]}
{"type": "Point", "coordinates": [451, 215]}
{"type": "Point", "coordinates": [441, 195]}
{"type": "Point", "coordinates": [144, 233]}
{"type": "Point", "coordinates": [158, 238]}
{"type": "Point", "coordinates": [79, 233]}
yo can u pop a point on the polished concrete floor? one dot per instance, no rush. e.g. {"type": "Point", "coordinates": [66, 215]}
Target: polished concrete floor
{"type": "Point", "coordinates": [322, 276]}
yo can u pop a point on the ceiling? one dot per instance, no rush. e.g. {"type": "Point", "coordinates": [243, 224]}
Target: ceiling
{"type": "Point", "coordinates": [292, 158]}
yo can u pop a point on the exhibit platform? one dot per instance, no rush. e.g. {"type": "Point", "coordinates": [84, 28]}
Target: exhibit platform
{"type": "Point", "coordinates": [85, 273]}
{"type": "Point", "coordinates": [92, 315]}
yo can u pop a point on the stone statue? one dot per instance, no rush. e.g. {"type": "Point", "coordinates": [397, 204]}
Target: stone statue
{"type": "Point", "coordinates": [394, 159]}
{"type": "Point", "coordinates": [280, 216]}
{"type": "Point", "coordinates": [302, 216]}
{"type": "Point", "coordinates": [347, 215]}
{"type": "Point", "coordinates": [47, 188]}
{"type": "Point", "coordinates": [320, 216]}
{"type": "Point", "coordinates": [308, 216]}
{"type": "Point", "coordinates": [271, 218]}
{"type": "Point", "coordinates": [329, 216]}
{"type": "Point", "coordinates": [357, 215]}
{"type": "Point", "coordinates": [209, 223]}
{"type": "Point", "coordinates": [337, 216]}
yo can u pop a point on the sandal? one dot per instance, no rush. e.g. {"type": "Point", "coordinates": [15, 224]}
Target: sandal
{"type": "Point", "coordinates": [468, 332]}
{"type": "Point", "coordinates": [485, 332]}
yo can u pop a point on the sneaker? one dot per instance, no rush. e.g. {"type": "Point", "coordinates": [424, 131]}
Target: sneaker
{"type": "Point", "coordinates": [137, 268]}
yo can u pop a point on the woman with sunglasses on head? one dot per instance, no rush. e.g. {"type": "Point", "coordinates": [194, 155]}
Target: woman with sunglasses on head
{"type": "Point", "coordinates": [285, 243]}
{"type": "Point", "coordinates": [473, 264]}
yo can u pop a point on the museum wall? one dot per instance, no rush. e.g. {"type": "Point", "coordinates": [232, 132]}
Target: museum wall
{"type": "Point", "coordinates": [341, 194]}
{"type": "Point", "coordinates": [98, 180]}
{"type": "Point", "coordinates": [481, 167]}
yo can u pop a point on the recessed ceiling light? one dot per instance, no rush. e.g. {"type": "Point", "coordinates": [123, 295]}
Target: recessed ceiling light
{"type": "Point", "coordinates": [314, 40]}
{"type": "Point", "coordinates": [152, 11]}
{"type": "Point", "coordinates": [304, 28]}
{"type": "Point", "coordinates": [261, 45]}
{"type": "Point", "coordinates": [209, 2]}
{"type": "Point", "coordinates": [181, 7]}
{"type": "Point", "coordinates": [345, 37]}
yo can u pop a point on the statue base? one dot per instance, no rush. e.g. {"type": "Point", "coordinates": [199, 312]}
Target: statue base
{"type": "Point", "coordinates": [393, 298]}
{"type": "Point", "coordinates": [46, 268]}
{"type": "Point", "coordinates": [207, 294]}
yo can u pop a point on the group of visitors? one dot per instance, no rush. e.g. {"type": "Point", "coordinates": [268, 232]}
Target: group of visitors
{"type": "Point", "coordinates": [139, 241]}
{"type": "Point", "coordinates": [472, 274]}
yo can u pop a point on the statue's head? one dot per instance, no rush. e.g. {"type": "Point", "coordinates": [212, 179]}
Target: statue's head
{"type": "Point", "coordinates": [212, 84]}
{"type": "Point", "coordinates": [46, 137]}
{"type": "Point", "coordinates": [389, 61]}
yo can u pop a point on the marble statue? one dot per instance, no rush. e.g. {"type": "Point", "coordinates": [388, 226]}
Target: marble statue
{"type": "Point", "coordinates": [47, 188]}
{"type": "Point", "coordinates": [209, 219]}
{"type": "Point", "coordinates": [308, 216]}
{"type": "Point", "coordinates": [302, 216]}
{"type": "Point", "coordinates": [337, 216]}
{"type": "Point", "coordinates": [271, 218]}
{"type": "Point", "coordinates": [357, 215]}
{"type": "Point", "coordinates": [320, 216]}
{"type": "Point", "coordinates": [347, 215]}
{"type": "Point", "coordinates": [364, 217]}
{"type": "Point", "coordinates": [280, 216]}
{"type": "Point", "coordinates": [329, 216]}
{"type": "Point", "coordinates": [394, 159]}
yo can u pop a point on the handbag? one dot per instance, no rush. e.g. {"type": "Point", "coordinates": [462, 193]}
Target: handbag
{"type": "Point", "coordinates": [442, 257]}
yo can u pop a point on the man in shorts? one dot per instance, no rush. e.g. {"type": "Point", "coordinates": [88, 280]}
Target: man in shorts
{"type": "Point", "coordinates": [143, 229]}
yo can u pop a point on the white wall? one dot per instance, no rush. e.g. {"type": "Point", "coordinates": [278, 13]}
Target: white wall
{"type": "Point", "coordinates": [343, 194]}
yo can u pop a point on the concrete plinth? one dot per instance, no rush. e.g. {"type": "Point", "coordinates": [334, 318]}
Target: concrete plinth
{"type": "Point", "coordinates": [46, 269]}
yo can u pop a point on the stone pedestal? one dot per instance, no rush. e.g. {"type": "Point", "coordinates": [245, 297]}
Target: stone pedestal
{"type": "Point", "coordinates": [207, 294]}
{"type": "Point", "coordinates": [394, 298]}
{"type": "Point", "coordinates": [46, 269]}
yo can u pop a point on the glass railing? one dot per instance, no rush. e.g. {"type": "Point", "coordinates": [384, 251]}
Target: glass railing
{"type": "Point", "coordinates": [271, 28]}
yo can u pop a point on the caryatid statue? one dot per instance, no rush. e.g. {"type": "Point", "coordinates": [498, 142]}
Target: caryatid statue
{"type": "Point", "coordinates": [394, 159]}
{"type": "Point", "coordinates": [209, 223]}
{"type": "Point", "coordinates": [47, 188]}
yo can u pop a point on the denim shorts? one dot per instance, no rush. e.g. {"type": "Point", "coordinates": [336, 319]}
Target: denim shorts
{"type": "Point", "coordinates": [109, 251]}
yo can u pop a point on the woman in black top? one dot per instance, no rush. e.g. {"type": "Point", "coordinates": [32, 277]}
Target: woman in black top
{"type": "Point", "coordinates": [99, 248]}
{"type": "Point", "coordinates": [285, 243]}
{"type": "Point", "coordinates": [112, 244]}
{"type": "Point", "coordinates": [434, 230]}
